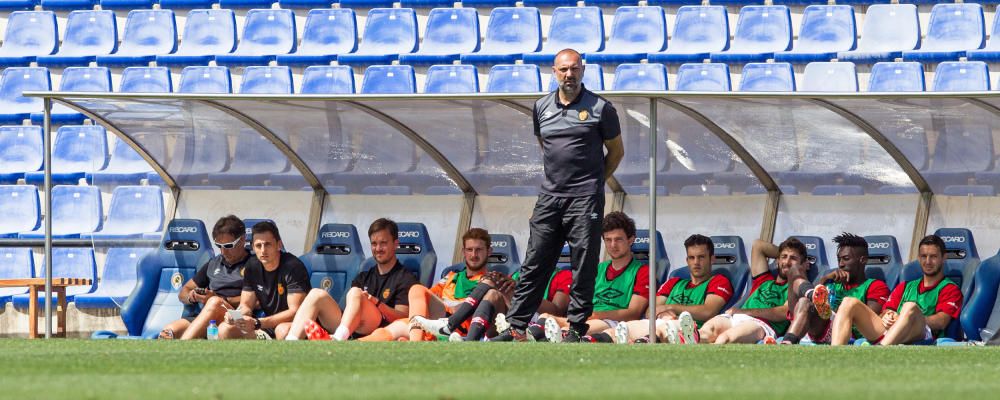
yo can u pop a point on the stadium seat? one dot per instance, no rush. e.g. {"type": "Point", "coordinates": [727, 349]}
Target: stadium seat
{"type": "Point", "coordinates": [159, 277]}
{"type": "Point", "coordinates": [77, 149]}
{"type": "Point", "coordinates": [703, 77]}
{"type": "Point", "coordinates": [699, 31]}
{"type": "Point", "coordinates": [449, 33]}
{"type": "Point", "coordinates": [503, 258]}
{"type": "Point", "coordinates": [825, 31]}
{"type": "Point", "coordinates": [68, 4]}
{"type": "Point", "coordinates": [146, 80]}
{"type": "Point", "coordinates": [897, 190]}
{"type": "Point", "coordinates": [760, 189]}
{"type": "Point", "coordinates": [75, 210]}
{"type": "Point", "coordinates": [512, 191]}
{"type": "Point", "coordinates": [829, 77]}
{"type": "Point", "coordinates": [838, 190]}
{"type": "Point", "coordinates": [961, 259]}
{"type": "Point", "coordinates": [767, 77]}
{"type": "Point", "coordinates": [953, 29]}
{"type": "Point", "coordinates": [15, 81]}
{"type": "Point", "coordinates": [245, 4]}
{"type": "Point", "coordinates": [980, 309]}
{"type": "Point", "coordinates": [328, 33]}
{"type": "Point", "coordinates": [117, 280]}
{"type": "Point", "coordinates": [640, 250]}
{"type": "Point", "coordinates": [15, 5]}
{"type": "Point", "coordinates": [706, 190]}
{"type": "Point", "coordinates": [148, 33]}
{"type": "Point", "coordinates": [959, 76]}
{"type": "Point", "coordinates": [511, 32]}
{"type": "Point", "coordinates": [731, 261]}
{"type": "Point", "coordinates": [206, 33]}
{"type": "Point", "coordinates": [327, 79]}
{"type": "Point", "coordinates": [266, 33]}
{"type": "Point", "coordinates": [254, 161]}
{"type": "Point", "coordinates": [514, 78]}
{"type": "Point", "coordinates": [18, 263]}
{"type": "Point", "coordinates": [67, 262]}
{"type": "Point", "coordinates": [335, 259]}
{"type": "Point", "coordinates": [20, 151]}
{"type": "Point", "coordinates": [896, 77]}
{"type": "Point", "coordinates": [451, 79]}
{"type": "Point", "coordinates": [969, 190]}
{"type": "Point", "coordinates": [760, 32]}
{"type": "Point", "coordinates": [89, 33]}
{"type": "Point", "coordinates": [884, 259]}
{"type": "Point", "coordinates": [630, 76]}
{"type": "Point", "coordinates": [196, 79]}
{"type": "Point", "coordinates": [389, 79]}
{"type": "Point", "coordinates": [76, 79]}
{"type": "Point", "coordinates": [126, 166]}
{"type": "Point", "coordinates": [187, 4]}
{"type": "Point", "coordinates": [389, 32]}
{"type": "Point", "coordinates": [267, 80]}
{"type": "Point", "coordinates": [29, 34]}
{"type": "Point", "coordinates": [593, 78]}
{"type": "Point", "coordinates": [415, 252]}
{"type": "Point", "coordinates": [578, 28]}
{"type": "Point", "coordinates": [991, 52]}
{"type": "Point", "coordinates": [248, 224]}
{"type": "Point", "coordinates": [635, 32]}
{"type": "Point", "coordinates": [888, 31]}
{"type": "Point", "coordinates": [20, 210]}
{"type": "Point", "coordinates": [134, 211]}
{"type": "Point", "coordinates": [816, 254]}
{"type": "Point", "coordinates": [126, 4]}
{"type": "Point", "coordinates": [387, 190]}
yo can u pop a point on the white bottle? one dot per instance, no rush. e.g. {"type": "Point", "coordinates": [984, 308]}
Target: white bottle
{"type": "Point", "coordinates": [213, 330]}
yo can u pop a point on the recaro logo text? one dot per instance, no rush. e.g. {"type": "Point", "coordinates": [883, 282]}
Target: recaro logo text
{"type": "Point", "coordinates": [184, 229]}
{"type": "Point", "coordinates": [331, 235]}
{"type": "Point", "coordinates": [878, 245]}
{"type": "Point", "coordinates": [498, 244]}
{"type": "Point", "coordinates": [409, 234]}
{"type": "Point", "coordinates": [953, 239]}
{"type": "Point", "coordinates": [725, 245]}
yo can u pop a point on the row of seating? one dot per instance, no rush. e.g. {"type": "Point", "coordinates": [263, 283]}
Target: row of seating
{"type": "Point", "coordinates": [78, 213]}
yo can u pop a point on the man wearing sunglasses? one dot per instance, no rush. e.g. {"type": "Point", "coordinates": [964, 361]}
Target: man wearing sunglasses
{"type": "Point", "coordinates": [216, 286]}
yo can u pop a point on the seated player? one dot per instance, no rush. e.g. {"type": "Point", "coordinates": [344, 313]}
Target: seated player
{"type": "Point", "coordinates": [274, 282]}
{"type": "Point", "coordinates": [815, 308]}
{"type": "Point", "coordinates": [216, 285]}
{"type": "Point", "coordinates": [377, 296]}
{"type": "Point", "coordinates": [697, 299]}
{"type": "Point", "coordinates": [621, 291]}
{"type": "Point", "coordinates": [764, 314]}
{"type": "Point", "coordinates": [555, 302]}
{"type": "Point", "coordinates": [917, 310]}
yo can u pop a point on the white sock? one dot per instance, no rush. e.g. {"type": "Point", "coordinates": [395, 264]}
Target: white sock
{"type": "Point", "coordinates": [341, 334]}
{"type": "Point", "coordinates": [291, 337]}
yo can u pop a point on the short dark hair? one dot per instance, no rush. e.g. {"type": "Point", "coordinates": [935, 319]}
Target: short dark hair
{"type": "Point", "coordinates": [618, 220]}
{"type": "Point", "coordinates": [265, 226]}
{"type": "Point", "coordinates": [477, 234]}
{"type": "Point", "coordinates": [384, 224]}
{"type": "Point", "coordinates": [933, 240]}
{"type": "Point", "coordinates": [851, 240]}
{"type": "Point", "coordinates": [229, 224]}
{"type": "Point", "coordinates": [794, 244]}
{"type": "Point", "coordinates": [700, 240]}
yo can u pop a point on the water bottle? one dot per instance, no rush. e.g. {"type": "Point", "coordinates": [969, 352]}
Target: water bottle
{"type": "Point", "coordinates": [213, 330]}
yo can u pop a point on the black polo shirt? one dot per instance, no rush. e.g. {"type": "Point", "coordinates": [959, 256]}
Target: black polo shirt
{"type": "Point", "coordinates": [272, 287]}
{"type": "Point", "coordinates": [573, 138]}
{"type": "Point", "coordinates": [221, 278]}
{"type": "Point", "coordinates": [392, 288]}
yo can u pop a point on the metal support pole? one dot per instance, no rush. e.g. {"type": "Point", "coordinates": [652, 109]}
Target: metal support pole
{"type": "Point", "coordinates": [47, 128]}
{"type": "Point", "coordinates": [651, 310]}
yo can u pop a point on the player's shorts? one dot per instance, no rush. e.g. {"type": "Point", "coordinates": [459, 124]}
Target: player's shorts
{"type": "Point", "coordinates": [827, 332]}
{"type": "Point", "coordinates": [928, 335]}
{"type": "Point", "coordinates": [611, 323]}
{"type": "Point", "coordinates": [763, 325]}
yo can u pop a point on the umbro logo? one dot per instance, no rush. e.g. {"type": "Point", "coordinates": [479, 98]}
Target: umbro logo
{"type": "Point", "coordinates": [260, 288]}
{"type": "Point", "coordinates": [547, 114]}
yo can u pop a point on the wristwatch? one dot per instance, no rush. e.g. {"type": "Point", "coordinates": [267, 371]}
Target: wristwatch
{"type": "Point", "coordinates": [256, 323]}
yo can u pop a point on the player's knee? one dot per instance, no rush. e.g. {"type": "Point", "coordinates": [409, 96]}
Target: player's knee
{"type": "Point", "coordinates": [848, 304]}
{"type": "Point", "coordinates": [214, 304]}
{"type": "Point", "coordinates": [316, 293]}
{"type": "Point", "coordinates": [355, 294]}
{"type": "Point", "coordinates": [281, 331]}
{"type": "Point", "coordinates": [908, 309]}
{"type": "Point", "coordinates": [226, 330]}
{"type": "Point", "coordinates": [492, 296]}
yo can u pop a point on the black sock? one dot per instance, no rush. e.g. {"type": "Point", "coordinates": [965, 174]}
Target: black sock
{"type": "Point", "coordinates": [792, 338]}
{"type": "Point", "coordinates": [465, 310]}
{"type": "Point", "coordinates": [480, 321]}
{"type": "Point", "coordinates": [580, 329]}
{"type": "Point", "coordinates": [537, 330]}
{"type": "Point", "coordinates": [601, 337]}
{"type": "Point", "coordinates": [803, 289]}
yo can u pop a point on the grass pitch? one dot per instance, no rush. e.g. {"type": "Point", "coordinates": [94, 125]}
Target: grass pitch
{"type": "Point", "coordinates": [85, 369]}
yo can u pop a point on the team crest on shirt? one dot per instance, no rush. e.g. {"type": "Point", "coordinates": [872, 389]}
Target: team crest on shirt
{"type": "Point", "coordinates": [176, 280]}
{"type": "Point", "coordinates": [584, 115]}
{"type": "Point", "coordinates": [385, 295]}
{"type": "Point", "coordinates": [281, 289]}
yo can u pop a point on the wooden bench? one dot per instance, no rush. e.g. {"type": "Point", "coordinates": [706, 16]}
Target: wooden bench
{"type": "Point", "coordinates": [36, 286]}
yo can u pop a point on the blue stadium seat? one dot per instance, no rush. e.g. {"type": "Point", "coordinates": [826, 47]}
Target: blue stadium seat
{"type": "Point", "coordinates": [593, 78]}
{"type": "Point", "coordinates": [20, 151]}
{"type": "Point", "coordinates": [760, 32]}
{"type": "Point", "coordinates": [706, 190]}
{"type": "Point", "coordinates": [640, 250]}
{"type": "Point", "coordinates": [632, 76]}
{"type": "Point", "coordinates": [387, 190]}
{"type": "Point", "coordinates": [29, 34]}
{"type": "Point", "coordinates": [644, 190]}
{"type": "Point", "coordinates": [699, 31]}
{"type": "Point", "coordinates": [415, 252]}
{"type": "Point", "coordinates": [896, 77]}
{"type": "Point", "coordinates": [389, 32]}
{"type": "Point", "coordinates": [703, 78]}
{"type": "Point", "coordinates": [255, 159]}
{"type": "Point", "coordinates": [117, 281]}
{"type": "Point", "coordinates": [514, 78]}
{"type": "Point", "coordinates": [953, 29]}
{"type": "Point", "coordinates": [335, 259]}
{"type": "Point", "coordinates": [504, 257]}
{"type": "Point", "coordinates": [449, 33]}
{"type": "Point", "coordinates": [512, 190]}
{"type": "Point", "coordinates": [884, 259]}
{"type": "Point", "coordinates": [578, 28]}
{"type": "Point", "coordinates": [327, 34]}
{"type": "Point", "coordinates": [389, 79]}
{"type": "Point", "coordinates": [206, 33]}
{"type": "Point", "coordinates": [20, 210]}
{"type": "Point", "coordinates": [18, 263]}
{"type": "Point", "coordinates": [440, 190]}
{"type": "Point", "coordinates": [366, 3]}
{"type": "Point", "coordinates": [159, 278]}
{"type": "Point", "coordinates": [68, 4]}
{"type": "Point", "coordinates": [961, 259]}
{"type": "Point", "coordinates": [511, 32]}
{"type": "Point", "coordinates": [451, 79]}
{"type": "Point", "coordinates": [126, 166]}
{"type": "Point", "coordinates": [327, 79]}
{"type": "Point", "coordinates": [245, 4]}
{"type": "Point", "coordinates": [979, 309]}
{"type": "Point", "coordinates": [72, 262]}
{"type": "Point", "coordinates": [266, 33]}
{"type": "Point", "coordinates": [760, 189]}
{"type": "Point", "coordinates": [14, 5]}
{"type": "Point", "coordinates": [969, 190]}
{"type": "Point", "coordinates": [77, 149]}
{"type": "Point", "coordinates": [267, 80]}
{"type": "Point", "coordinates": [816, 254]}
{"type": "Point", "coordinates": [126, 4]}
{"type": "Point", "coordinates": [148, 33]}
{"type": "Point", "coordinates": [829, 77]}
{"type": "Point", "coordinates": [767, 77]}
{"type": "Point", "coordinates": [838, 190]}
{"type": "Point", "coordinates": [15, 81]}
{"type": "Point", "coordinates": [897, 190]}
{"type": "Point", "coordinates": [731, 261]}
{"type": "Point", "coordinates": [146, 80]}
{"type": "Point", "coordinates": [635, 32]}
{"type": "Point", "coordinates": [76, 79]}
{"type": "Point", "coordinates": [991, 52]}
{"type": "Point", "coordinates": [962, 76]}
{"type": "Point", "coordinates": [248, 224]}
{"type": "Point", "coordinates": [75, 210]}
{"type": "Point", "coordinates": [196, 79]}
{"type": "Point", "coordinates": [134, 211]}
{"type": "Point", "coordinates": [826, 30]}
{"type": "Point", "coordinates": [187, 4]}
{"type": "Point", "coordinates": [889, 30]}
{"type": "Point", "coordinates": [89, 33]}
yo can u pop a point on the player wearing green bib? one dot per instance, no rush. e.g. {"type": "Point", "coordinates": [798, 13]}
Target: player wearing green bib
{"type": "Point", "coordinates": [917, 310]}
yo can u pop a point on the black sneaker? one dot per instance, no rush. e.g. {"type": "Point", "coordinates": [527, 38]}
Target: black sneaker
{"type": "Point", "coordinates": [535, 333]}
{"type": "Point", "coordinates": [510, 335]}
{"type": "Point", "coordinates": [571, 336]}
{"type": "Point", "coordinates": [644, 339]}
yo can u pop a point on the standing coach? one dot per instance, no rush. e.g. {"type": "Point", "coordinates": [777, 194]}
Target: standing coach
{"type": "Point", "coordinates": [573, 126]}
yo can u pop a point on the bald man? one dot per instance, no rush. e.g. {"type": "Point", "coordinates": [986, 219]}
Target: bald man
{"type": "Point", "coordinates": [573, 126]}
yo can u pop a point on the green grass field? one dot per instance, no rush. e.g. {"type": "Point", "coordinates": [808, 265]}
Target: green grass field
{"type": "Point", "coordinates": [85, 369]}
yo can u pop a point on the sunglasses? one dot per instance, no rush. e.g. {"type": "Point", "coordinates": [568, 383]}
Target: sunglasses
{"type": "Point", "coordinates": [228, 245]}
